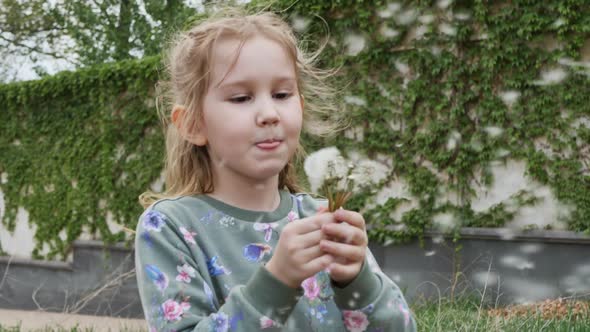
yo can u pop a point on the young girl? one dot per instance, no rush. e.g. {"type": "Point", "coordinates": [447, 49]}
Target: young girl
{"type": "Point", "coordinates": [231, 245]}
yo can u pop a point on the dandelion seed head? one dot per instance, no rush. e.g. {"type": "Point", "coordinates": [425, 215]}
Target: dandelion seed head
{"type": "Point", "coordinates": [318, 166]}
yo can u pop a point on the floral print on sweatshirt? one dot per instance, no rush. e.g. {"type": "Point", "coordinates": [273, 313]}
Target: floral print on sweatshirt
{"type": "Point", "coordinates": [194, 271]}
{"type": "Point", "coordinates": [318, 293]}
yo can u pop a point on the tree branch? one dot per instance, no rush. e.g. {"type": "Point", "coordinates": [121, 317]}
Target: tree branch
{"type": "Point", "coordinates": [37, 50]}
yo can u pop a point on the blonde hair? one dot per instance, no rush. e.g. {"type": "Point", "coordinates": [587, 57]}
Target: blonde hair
{"type": "Point", "coordinates": [188, 168]}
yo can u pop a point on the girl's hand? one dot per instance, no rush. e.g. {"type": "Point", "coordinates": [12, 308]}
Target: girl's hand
{"type": "Point", "coordinates": [347, 241]}
{"type": "Point", "coordinates": [297, 255]}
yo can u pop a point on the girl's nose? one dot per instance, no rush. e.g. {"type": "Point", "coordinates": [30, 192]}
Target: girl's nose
{"type": "Point", "coordinates": [267, 114]}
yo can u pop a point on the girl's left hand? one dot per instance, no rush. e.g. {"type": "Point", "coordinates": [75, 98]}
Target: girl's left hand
{"type": "Point", "coordinates": [349, 245]}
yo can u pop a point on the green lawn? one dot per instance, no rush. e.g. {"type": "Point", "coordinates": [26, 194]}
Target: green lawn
{"type": "Point", "coordinates": [55, 329]}
{"type": "Point", "coordinates": [466, 315]}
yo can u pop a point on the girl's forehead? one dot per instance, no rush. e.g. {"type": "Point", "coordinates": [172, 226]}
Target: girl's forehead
{"type": "Point", "coordinates": [256, 55]}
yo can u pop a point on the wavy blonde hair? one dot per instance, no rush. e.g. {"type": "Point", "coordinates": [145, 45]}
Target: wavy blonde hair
{"type": "Point", "coordinates": [188, 168]}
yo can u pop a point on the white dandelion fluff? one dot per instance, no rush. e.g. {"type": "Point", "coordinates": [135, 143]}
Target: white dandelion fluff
{"type": "Point", "coordinates": [354, 43]}
{"type": "Point", "coordinates": [509, 97]}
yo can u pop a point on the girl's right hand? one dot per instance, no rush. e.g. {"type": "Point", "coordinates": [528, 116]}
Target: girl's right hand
{"type": "Point", "coordinates": [297, 255]}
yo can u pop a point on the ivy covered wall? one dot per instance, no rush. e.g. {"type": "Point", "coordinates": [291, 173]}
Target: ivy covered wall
{"type": "Point", "coordinates": [456, 97]}
{"type": "Point", "coordinates": [78, 147]}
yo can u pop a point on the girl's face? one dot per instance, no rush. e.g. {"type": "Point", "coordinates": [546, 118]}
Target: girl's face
{"type": "Point", "coordinates": [252, 111]}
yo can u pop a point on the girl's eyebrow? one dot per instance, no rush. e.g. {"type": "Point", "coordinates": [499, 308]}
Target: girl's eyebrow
{"type": "Point", "coordinates": [240, 83]}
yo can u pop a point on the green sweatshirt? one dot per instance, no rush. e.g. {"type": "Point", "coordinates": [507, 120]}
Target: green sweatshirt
{"type": "Point", "coordinates": [200, 267]}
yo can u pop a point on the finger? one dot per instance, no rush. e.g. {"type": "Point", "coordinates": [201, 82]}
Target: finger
{"type": "Point", "coordinates": [303, 226]}
{"type": "Point", "coordinates": [311, 239]}
{"type": "Point", "coordinates": [345, 233]}
{"type": "Point", "coordinates": [319, 264]}
{"type": "Point", "coordinates": [351, 217]}
{"type": "Point", "coordinates": [310, 224]}
{"type": "Point", "coordinates": [351, 252]}
{"type": "Point", "coordinates": [311, 253]}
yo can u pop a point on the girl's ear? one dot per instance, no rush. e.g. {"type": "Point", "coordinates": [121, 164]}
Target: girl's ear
{"type": "Point", "coordinates": [188, 128]}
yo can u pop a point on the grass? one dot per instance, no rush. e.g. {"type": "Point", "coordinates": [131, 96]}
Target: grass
{"type": "Point", "coordinates": [60, 329]}
{"type": "Point", "coordinates": [471, 315]}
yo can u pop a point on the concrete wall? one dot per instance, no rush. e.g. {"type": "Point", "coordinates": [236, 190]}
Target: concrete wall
{"type": "Point", "coordinates": [499, 266]}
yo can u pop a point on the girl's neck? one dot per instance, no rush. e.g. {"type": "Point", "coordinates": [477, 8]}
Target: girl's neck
{"type": "Point", "coordinates": [254, 196]}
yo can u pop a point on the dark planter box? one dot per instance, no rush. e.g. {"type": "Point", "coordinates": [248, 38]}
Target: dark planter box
{"type": "Point", "coordinates": [498, 265]}
{"type": "Point", "coordinates": [99, 281]}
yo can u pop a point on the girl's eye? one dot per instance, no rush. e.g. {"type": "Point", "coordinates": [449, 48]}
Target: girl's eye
{"type": "Point", "coordinates": [282, 95]}
{"type": "Point", "coordinates": [240, 99]}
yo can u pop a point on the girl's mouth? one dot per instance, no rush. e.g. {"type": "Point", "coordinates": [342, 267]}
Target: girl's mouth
{"type": "Point", "coordinates": [268, 144]}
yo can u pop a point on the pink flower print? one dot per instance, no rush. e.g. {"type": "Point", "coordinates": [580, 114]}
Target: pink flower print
{"type": "Point", "coordinates": [406, 312]}
{"type": "Point", "coordinates": [390, 303]}
{"type": "Point", "coordinates": [355, 321]}
{"type": "Point", "coordinates": [292, 216]}
{"type": "Point", "coordinates": [267, 228]}
{"type": "Point", "coordinates": [185, 306]}
{"type": "Point", "coordinates": [185, 273]}
{"type": "Point", "coordinates": [266, 322]}
{"type": "Point", "coordinates": [173, 310]}
{"type": "Point", "coordinates": [311, 288]}
{"type": "Point", "coordinates": [188, 236]}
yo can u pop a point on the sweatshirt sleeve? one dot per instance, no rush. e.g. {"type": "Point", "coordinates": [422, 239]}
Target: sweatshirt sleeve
{"type": "Point", "coordinates": [177, 293]}
{"type": "Point", "coordinates": [372, 298]}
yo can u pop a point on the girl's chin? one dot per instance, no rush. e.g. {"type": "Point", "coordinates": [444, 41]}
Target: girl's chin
{"type": "Point", "coordinates": [265, 172]}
